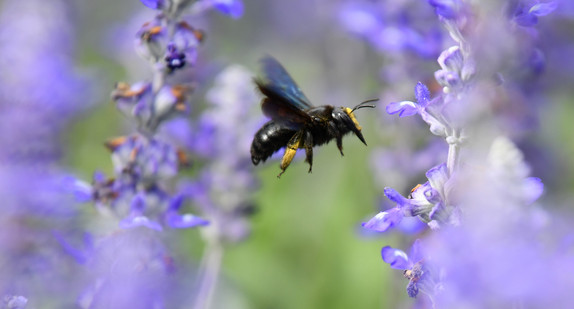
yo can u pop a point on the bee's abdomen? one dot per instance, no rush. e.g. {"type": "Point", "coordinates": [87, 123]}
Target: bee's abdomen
{"type": "Point", "coordinates": [270, 138]}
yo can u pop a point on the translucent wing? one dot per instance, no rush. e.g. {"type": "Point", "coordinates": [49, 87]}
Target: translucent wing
{"type": "Point", "coordinates": [278, 84]}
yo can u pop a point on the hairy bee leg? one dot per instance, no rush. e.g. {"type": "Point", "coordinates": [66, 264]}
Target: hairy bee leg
{"type": "Point", "coordinates": [308, 144]}
{"type": "Point", "coordinates": [340, 145]}
{"type": "Point", "coordinates": [290, 151]}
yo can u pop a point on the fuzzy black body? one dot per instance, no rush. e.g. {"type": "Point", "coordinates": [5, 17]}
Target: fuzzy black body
{"type": "Point", "coordinates": [295, 123]}
{"type": "Point", "coordinates": [268, 140]}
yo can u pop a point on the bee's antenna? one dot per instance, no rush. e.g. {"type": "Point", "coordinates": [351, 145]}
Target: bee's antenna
{"type": "Point", "coordinates": [363, 104]}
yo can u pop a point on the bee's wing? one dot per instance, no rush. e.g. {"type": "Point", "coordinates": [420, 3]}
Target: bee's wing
{"type": "Point", "coordinates": [278, 84]}
{"type": "Point", "coordinates": [284, 113]}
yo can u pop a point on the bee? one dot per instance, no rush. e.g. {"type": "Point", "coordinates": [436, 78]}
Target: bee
{"type": "Point", "coordinates": [295, 123]}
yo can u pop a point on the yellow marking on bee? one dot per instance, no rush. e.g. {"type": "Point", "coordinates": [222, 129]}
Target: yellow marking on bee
{"type": "Point", "coordinates": [352, 116]}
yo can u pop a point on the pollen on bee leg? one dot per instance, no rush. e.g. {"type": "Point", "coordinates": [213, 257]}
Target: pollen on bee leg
{"type": "Point", "coordinates": [288, 157]}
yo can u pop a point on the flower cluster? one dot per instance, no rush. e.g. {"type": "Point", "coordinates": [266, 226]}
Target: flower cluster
{"type": "Point", "coordinates": [141, 199]}
{"type": "Point", "coordinates": [475, 204]}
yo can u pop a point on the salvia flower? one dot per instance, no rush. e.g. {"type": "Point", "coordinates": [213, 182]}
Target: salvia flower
{"type": "Point", "coordinates": [148, 109]}
{"type": "Point", "coordinates": [391, 27]}
{"type": "Point", "coordinates": [231, 8]}
{"type": "Point", "coordinates": [430, 110]}
{"type": "Point", "coordinates": [526, 14]}
{"type": "Point", "coordinates": [415, 267]}
{"type": "Point", "coordinates": [168, 48]}
{"type": "Point", "coordinates": [494, 245]}
{"type": "Point", "coordinates": [224, 132]}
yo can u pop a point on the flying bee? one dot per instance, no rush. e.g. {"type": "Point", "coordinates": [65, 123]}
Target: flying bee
{"type": "Point", "coordinates": [295, 123]}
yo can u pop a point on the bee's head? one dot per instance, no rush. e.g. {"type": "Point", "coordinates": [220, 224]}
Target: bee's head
{"type": "Point", "coordinates": [351, 123]}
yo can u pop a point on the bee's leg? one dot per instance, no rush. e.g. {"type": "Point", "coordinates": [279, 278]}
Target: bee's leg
{"type": "Point", "coordinates": [290, 151]}
{"type": "Point", "coordinates": [340, 144]}
{"type": "Point", "coordinates": [308, 144]}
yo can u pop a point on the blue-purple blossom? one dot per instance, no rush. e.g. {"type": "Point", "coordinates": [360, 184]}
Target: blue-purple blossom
{"type": "Point", "coordinates": [430, 110]}
{"type": "Point", "coordinates": [385, 220]}
{"type": "Point", "coordinates": [392, 27]}
{"type": "Point", "coordinates": [416, 269]}
{"type": "Point", "coordinates": [171, 48]}
{"type": "Point", "coordinates": [154, 4]}
{"type": "Point", "coordinates": [13, 302]}
{"type": "Point", "coordinates": [223, 188]}
{"type": "Point", "coordinates": [526, 15]}
{"type": "Point", "coordinates": [448, 9]}
{"type": "Point", "coordinates": [429, 202]}
{"type": "Point", "coordinates": [41, 93]}
{"type": "Point", "coordinates": [231, 8]}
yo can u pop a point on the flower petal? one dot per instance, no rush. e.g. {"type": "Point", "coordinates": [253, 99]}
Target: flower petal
{"type": "Point", "coordinates": [533, 188]}
{"type": "Point", "coordinates": [178, 221]}
{"type": "Point", "coordinates": [231, 8]}
{"type": "Point", "coordinates": [384, 220]}
{"type": "Point", "coordinates": [422, 94]}
{"type": "Point", "coordinates": [416, 253]}
{"type": "Point", "coordinates": [438, 176]}
{"type": "Point", "coordinates": [153, 4]}
{"type": "Point", "coordinates": [396, 258]}
{"type": "Point", "coordinates": [403, 108]}
{"type": "Point", "coordinates": [393, 195]}
{"type": "Point", "coordinates": [542, 9]}
{"type": "Point", "coordinates": [135, 221]}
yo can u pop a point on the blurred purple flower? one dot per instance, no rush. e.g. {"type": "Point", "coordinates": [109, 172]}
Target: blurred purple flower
{"type": "Point", "coordinates": [448, 9]}
{"type": "Point", "coordinates": [154, 4]}
{"type": "Point", "coordinates": [526, 14]}
{"type": "Point", "coordinates": [392, 27]}
{"type": "Point", "coordinates": [231, 8]}
{"type": "Point", "coordinates": [415, 269]}
{"type": "Point", "coordinates": [40, 94]}
{"type": "Point", "coordinates": [223, 188]}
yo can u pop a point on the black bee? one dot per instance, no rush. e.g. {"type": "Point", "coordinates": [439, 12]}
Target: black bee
{"type": "Point", "coordinates": [295, 123]}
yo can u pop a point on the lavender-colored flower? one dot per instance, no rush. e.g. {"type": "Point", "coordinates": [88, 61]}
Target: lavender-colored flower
{"type": "Point", "coordinates": [231, 8]}
{"type": "Point", "coordinates": [149, 109]}
{"type": "Point", "coordinates": [526, 14]}
{"type": "Point", "coordinates": [40, 94]}
{"type": "Point", "coordinates": [13, 302]}
{"type": "Point", "coordinates": [430, 110]}
{"type": "Point", "coordinates": [392, 27]}
{"type": "Point", "coordinates": [448, 9]}
{"type": "Point", "coordinates": [224, 135]}
{"type": "Point", "coordinates": [416, 269]}
{"type": "Point", "coordinates": [155, 44]}
{"type": "Point", "coordinates": [429, 202]}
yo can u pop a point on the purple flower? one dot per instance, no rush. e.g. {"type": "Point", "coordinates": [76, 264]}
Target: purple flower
{"type": "Point", "coordinates": [527, 15]}
{"type": "Point", "coordinates": [385, 220]}
{"type": "Point", "coordinates": [154, 4]}
{"type": "Point", "coordinates": [231, 8]}
{"type": "Point", "coordinates": [429, 202]}
{"type": "Point", "coordinates": [177, 220]}
{"type": "Point", "coordinates": [40, 94]}
{"type": "Point", "coordinates": [448, 9]}
{"type": "Point", "coordinates": [13, 302]}
{"type": "Point", "coordinates": [409, 108]}
{"type": "Point", "coordinates": [137, 217]}
{"type": "Point", "coordinates": [415, 268]}
{"type": "Point", "coordinates": [430, 110]}
{"type": "Point", "coordinates": [392, 29]}
{"type": "Point", "coordinates": [148, 109]}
